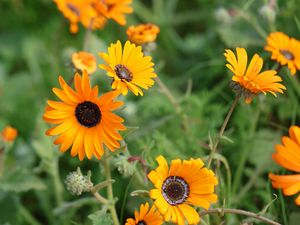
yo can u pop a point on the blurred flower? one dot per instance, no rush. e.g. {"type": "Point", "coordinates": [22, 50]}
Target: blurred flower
{"type": "Point", "coordinates": [77, 183]}
{"type": "Point", "coordinates": [285, 50]}
{"type": "Point", "coordinates": [251, 82]}
{"type": "Point", "coordinates": [143, 33]}
{"type": "Point", "coordinates": [145, 216]}
{"type": "Point", "coordinates": [80, 11]}
{"type": "Point", "coordinates": [9, 134]}
{"type": "Point", "coordinates": [84, 61]}
{"type": "Point", "coordinates": [186, 182]}
{"type": "Point", "coordinates": [85, 120]}
{"type": "Point", "coordinates": [128, 68]}
{"type": "Point", "coordinates": [287, 155]}
{"type": "Point", "coordinates": [114, 9]}
{"type": "Point", "coordinates": [223, 16]}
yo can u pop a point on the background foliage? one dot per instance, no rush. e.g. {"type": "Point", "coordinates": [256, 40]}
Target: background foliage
{"type": "Point", "coordinates": [35, 47]}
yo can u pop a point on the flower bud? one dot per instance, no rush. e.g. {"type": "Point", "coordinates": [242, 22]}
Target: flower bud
{"type": "Point", "coordinates": [77, 183]}
{"type": "Point", "coordinates": [223, 16]}
{"type": "Point", "coordinates": [124, 167]}
{"type": "Point", "coordinates": [268, 12]}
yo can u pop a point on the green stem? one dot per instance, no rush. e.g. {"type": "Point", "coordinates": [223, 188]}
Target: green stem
{"type": "Point", "coordinates": [221, 132]}
{"type": "Point", "coordinates": [58, 188]}
{"type": "Point", "coordinates": [28, 217]}
{"type": "Point", "coordinates": [110, 194]}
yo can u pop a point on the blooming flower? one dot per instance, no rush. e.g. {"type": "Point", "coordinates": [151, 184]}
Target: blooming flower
{"type": "Point", "coordinates": [84, 61]}
{"type": "Point", "coordinates": [285, 50]}
{"type": "Point", "coordinates": [142, 33]}
{"type": "Point", "coordinates": [287, 155]}
{"type": "Point", "coordinates": [186, 182]}
{"type": "Point", "coordinates": [251, 82]}
{"type": "Point", "coordinates": [129, 68]}
{"type": "Point", "coordinates": [84, 120]}
{"type": "Point", "coordinates": [9, 134]}
{"type": "Point", "coordinates": [145, 216]}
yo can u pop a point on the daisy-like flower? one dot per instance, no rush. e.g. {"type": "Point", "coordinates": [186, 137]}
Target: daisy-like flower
{"type": "Point", "coordinates": [114, 9]}
{"type": "Point", "coordinates": [84, 61]}
{"type": "Point", "coordinates": [145, 216]}
{"type": "Point", "coordinates": [250, 82]}
{"type": "Point", "coordinates": [129, 68]}
{"type": "Point", "coordinates": [143, 33]}
{"type": "Point", "coordinates": [285, 50]}
{"type": "Point", "coordinates": [9, 134]}
{"type": "Point", "coordinates": [84, 120]}
{"type": "Point", "coordinates": [186, 183]}
{"type": "Point", "coordinates": [288, 156]}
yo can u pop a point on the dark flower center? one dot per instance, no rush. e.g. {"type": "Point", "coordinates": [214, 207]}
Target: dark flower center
{"type": "Point", "coordinates": [287, 54]}
{"type": "Point", "coordinates": [123, 73]}
{"type": "Point", "coordinates": [175, 190]}
{"type": "Point", "coordinates": [141, 222]}
{"type": "Point", "coordinates": [88, 114]}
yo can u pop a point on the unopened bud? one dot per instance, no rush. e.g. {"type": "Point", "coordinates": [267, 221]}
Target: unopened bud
{"type": "Point", "coordinates": [223, 16]}
{"type": "Point", "coordinates": [124, 167]}
{"type": "Point", "coordinates": [77, 183]}
{"type": "Point", "coordinates": [268, 12]}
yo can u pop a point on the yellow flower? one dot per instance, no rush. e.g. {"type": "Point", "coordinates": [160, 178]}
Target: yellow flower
{"type": "Point", "coordinates": [129, 68]}
{"type": "Point", "coordinates": [142, 33]}
{"type": "Point", "coordinates": [145, 217]}
{"type": "Point", "coordinates": [114, 9]}
{"type": "Point", "coordinates": [287, 155]}
{"type": "Point", "coordinates": [285, 50]}
{"type": "Point", "coordinates": [251, 82]}
{"type": "Point", "coordinates": [9, 134]}
{"type": "Point", "coordinates": [84, 120]}
{"type": "Point", "coordinates": [84, 61]}
{"type": "Point", "coordinates": [186, 183]}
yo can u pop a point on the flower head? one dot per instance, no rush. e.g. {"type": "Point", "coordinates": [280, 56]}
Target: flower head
{"type": "Point", "coordinates": [143, 33]}
{"type": "Point", "coordinates": [185, 183]}
{"type": "Point", "coordinates": [251, 82]}
{"type": "Point", "coordinates": [84, 61]}
{"type": "Point", "coordinates": [285, 50]}
{"type": "Point", "coordinates": [145, 216]}
{"type": "Point", "coordinates": [288, 156]}
{"type": "Point", "coordinates": [84, 120]}
{"type": "Point", "coordinates": [114, 9]}
{"type": "Point", "coordinates": [128, 67]}
{"type": "Point", "coordinates": [9, 134]}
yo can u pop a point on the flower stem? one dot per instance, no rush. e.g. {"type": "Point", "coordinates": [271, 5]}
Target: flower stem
{"type": "Point", "coordinates": [238, 212]}
{"type": "Point", "coordinates": [110, 191]}
{"type": "Point", "coordinates": [57, 183]}
{"type": "Point", "coordinates": [221, 132]}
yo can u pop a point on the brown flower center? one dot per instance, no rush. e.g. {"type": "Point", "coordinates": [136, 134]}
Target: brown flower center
{"type": "Point", "coordinates": [175, 190]}
{"type": "Point", "coordinates": [123, 72]}
{"type": "Point", "coordinates": [141, 222]}
{"type": "Point", "coordinates": [88, 114]}
{"type": "Point", "coordinates": [287, 54]}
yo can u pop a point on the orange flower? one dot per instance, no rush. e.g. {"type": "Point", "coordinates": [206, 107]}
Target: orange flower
{"type": "Point", "coordinates": [251, 82]}
{"type": "Point", "coordinates": [285, 50]}
{"type": "Point", "coordinates": [288, 156]}
{"type": "Point", "coordinates": [114, 9]}
{"type": "Point", "coordinates": [84, 61]}
{"type": "Point", "coordinates": [9, 134]}
{"type": "Point", "coordinates": [142, 33]}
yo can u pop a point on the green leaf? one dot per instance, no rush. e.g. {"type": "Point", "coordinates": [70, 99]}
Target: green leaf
{"type": "Point", "coordinates": [101, 218]}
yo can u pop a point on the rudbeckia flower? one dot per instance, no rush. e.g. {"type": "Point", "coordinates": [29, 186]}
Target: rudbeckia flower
{"type": "Point", "coordinates": [129, 68]}
{"type": "Point", "coordinates": [83, 120]}
{"type": "Point", "coordinates": [143, 33]}
{"type": "Point", "coordinates": [84, 61]}
{"type": "Point", "coordinates": [288, 156]}
{"type": "Point", "coordinates": [114, 9]}
{"type": "Point", "coordinates": [145, 216]}
{"type": "Point", "coordinates": [9, 134]}
{"type": "Point", "coordinates": [285, 50]}
{"type": "Point", "coordinates": [250, 81]}
{"type": "Point", "coordinates": [185, 183]}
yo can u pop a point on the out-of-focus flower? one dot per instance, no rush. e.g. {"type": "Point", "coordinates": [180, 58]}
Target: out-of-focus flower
{"type": "Point", "coordinates": [129, 68]}
{"type": "Point", "coordinates": [84, 120]}
{"type": "Point", "coordinates": [77, 183]}
{"type": "Point", "coordinates": [145, 216]}
{"type": "Point", "coordinates": [185, 183]}
{"type": "Point", "coordinates": [84, 61]}
{"type": "Point", "coordinates": [9, 134]}
{"type": "Point", "coordinates": [251, 82]}
{"type": "Point", "coordinates": [287, 155]}
{"type": "Point", "coordinates": [114, 9]}
{"type": "Point", "coordinates": [285, 50]}
{"type": "Point", "coordinates": [143, 33]}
